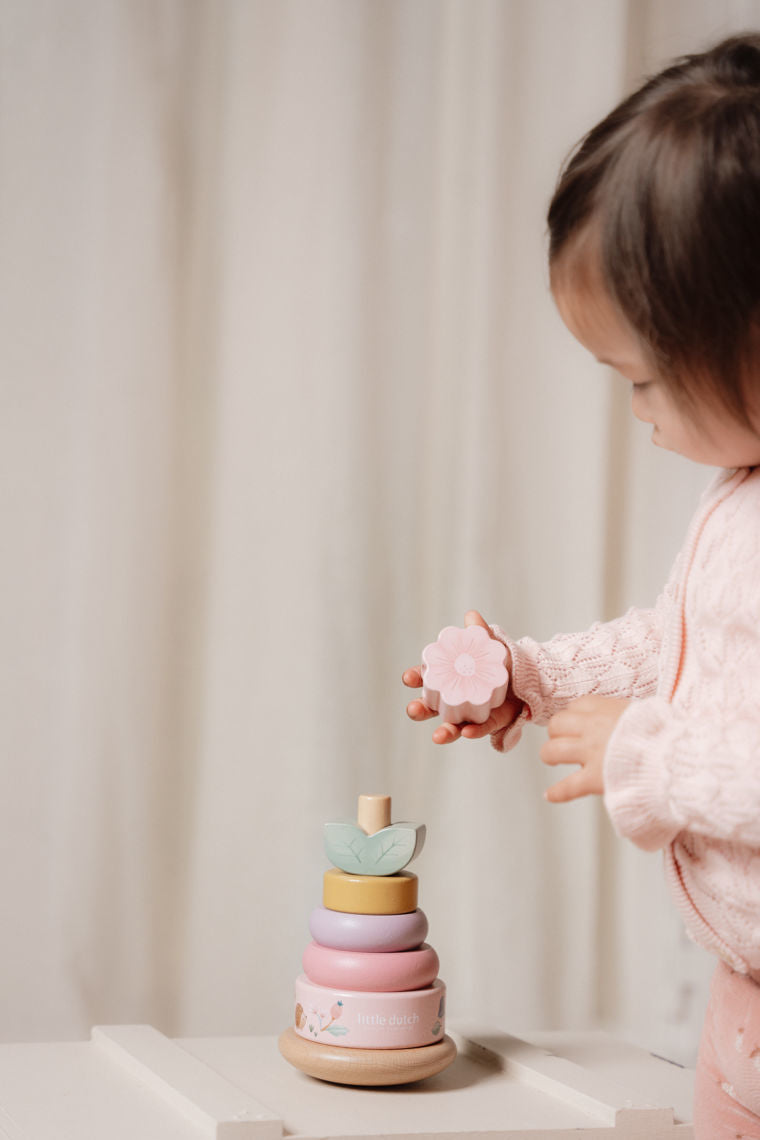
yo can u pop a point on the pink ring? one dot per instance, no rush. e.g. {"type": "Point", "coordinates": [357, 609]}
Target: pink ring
{"type": "Point", "coordinates": [375, 973]}
{"type": "Point", "coordinates": [374, 933]}
{"type": "Point", "coordinates": [358, 1020]}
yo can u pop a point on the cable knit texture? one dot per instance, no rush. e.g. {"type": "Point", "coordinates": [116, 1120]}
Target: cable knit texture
{"type": "Point", "coordinates": [682, 769]}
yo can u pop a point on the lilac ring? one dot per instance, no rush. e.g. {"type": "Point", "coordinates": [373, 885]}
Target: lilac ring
{"type": "Point", "coordinates": [374, 933]}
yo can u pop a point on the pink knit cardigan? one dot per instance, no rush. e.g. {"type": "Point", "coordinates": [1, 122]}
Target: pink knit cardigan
{"type": "Point", "coordinates": [682, 769]}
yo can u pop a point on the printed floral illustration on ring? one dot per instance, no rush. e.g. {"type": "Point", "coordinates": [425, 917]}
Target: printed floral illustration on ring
{"type": "Point", "coordinates": [321, 1024]}
{"type": "Point", "coordinates": [439, 1020]}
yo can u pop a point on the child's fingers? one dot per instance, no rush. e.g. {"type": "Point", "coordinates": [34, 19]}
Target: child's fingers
{"type": "Point", "coordinates": [472, 617]}
{"type": "Point", "coordinates": [562, 750]}
{"type": "Point", "coordinates": [416, 710]}
{"type": "Point", "coordinates": [412, 678]}
{"type": "Point", "coordinates": [500, 718]}
{"type": "Point", "coordinates": [446, 733]}
{"type": "Point", "coordinates": [566, 723]}
{"type": "Point", "coordinates": [495, 721]}
{"type": "Point", "coordinates": [478, 731]}
{"type": "Point", "coordinates": [571, 788]}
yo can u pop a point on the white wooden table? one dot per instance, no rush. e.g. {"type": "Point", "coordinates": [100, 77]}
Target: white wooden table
{"type": "Point", "coordinates": [132, 1083]}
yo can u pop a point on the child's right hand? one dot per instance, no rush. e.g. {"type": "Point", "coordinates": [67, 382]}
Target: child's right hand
{"type": "Point", "coordinates": [445, 733]}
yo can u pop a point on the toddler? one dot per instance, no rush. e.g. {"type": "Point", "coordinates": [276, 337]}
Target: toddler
{"type": "Point", "coordinates": [655, 268]}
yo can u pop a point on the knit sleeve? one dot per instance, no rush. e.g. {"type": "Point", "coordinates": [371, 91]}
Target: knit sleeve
{"type": "Point", "coordinates": [667, 771]}
{"type": "Point", "coordinates": [611, 659]}
{"type": "Point", "coordinates": [692, 763]}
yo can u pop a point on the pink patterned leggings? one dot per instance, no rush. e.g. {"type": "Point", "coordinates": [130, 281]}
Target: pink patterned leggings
{"type": "Point", "coordinates": [727, 1092]}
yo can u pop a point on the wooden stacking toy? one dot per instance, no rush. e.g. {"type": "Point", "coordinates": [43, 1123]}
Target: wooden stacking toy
{"type": "Point", "coordinates": [370, 1006]}
{"type": "Point", "coordinates": [464, 674]}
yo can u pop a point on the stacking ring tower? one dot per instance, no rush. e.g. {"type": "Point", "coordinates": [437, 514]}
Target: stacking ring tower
{"type": "Point", "coordinates": [369, 1005]}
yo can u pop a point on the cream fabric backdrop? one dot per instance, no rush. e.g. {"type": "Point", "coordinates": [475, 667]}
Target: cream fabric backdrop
{"type": "Point", "coordinates": [283, 392]}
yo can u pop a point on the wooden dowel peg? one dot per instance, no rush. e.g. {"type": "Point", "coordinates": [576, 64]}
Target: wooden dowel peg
{"type": "Point", "coordinates": [373, 813]}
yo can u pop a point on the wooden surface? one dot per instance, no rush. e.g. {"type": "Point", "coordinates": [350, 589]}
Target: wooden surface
{"type": "Point", "coordinates": [131, 1083]}
{"type": "Point", "coordinates": [366, 1067]}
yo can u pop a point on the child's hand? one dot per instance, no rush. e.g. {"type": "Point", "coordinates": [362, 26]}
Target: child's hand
{"type": "Point", "coordinates": [579, 735]}
{"type": "Point", "coordinates": [447, 733]}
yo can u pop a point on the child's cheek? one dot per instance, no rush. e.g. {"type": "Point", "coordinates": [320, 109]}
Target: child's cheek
{"type": "Point", "coordinates": [641, 406]}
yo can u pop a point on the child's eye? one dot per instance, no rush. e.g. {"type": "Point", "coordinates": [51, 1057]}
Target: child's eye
{"type": "Point", "coordinates": [640, 385]}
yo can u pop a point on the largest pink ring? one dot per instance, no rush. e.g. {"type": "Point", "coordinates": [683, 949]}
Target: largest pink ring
{"type": "Point", "coordinates": [360, 1020]}
{"type": "Point", "coordinates": [374, 933]}
{"type": "Point", "coordinates": [380, 973]}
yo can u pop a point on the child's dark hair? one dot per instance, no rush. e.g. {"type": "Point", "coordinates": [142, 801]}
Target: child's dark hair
{"type": "Point", "coordinates": [667, 187]}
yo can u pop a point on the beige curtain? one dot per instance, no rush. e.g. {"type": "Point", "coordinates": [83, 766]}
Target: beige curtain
{"type": "Point", "coordinates": [283, 392]}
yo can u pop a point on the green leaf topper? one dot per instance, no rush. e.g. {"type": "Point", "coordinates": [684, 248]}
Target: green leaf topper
{"type": "Point", "coordinates": [385, 853]}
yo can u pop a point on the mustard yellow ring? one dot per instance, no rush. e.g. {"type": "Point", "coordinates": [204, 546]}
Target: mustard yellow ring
{"type": "Point", "coordinates": [370, 894]}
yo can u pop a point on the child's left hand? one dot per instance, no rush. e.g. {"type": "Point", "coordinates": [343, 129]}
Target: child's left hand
{"type": "Point", "coordinates": [579, 734]}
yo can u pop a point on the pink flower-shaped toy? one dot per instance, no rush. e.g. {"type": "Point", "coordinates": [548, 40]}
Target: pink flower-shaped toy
{"type": "Point", "coordinates": [464, 674]}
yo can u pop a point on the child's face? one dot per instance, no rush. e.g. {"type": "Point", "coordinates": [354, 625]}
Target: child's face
{"type": "Point", "coordinates": [707, 435]}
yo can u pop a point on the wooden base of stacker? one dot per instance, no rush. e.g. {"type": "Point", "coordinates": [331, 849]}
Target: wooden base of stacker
{"type": "Point", "coordinates": [365, 1066]}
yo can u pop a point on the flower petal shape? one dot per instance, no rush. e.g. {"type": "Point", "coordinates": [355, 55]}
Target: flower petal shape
{"type": "Point", "coordinates": [464, 674]}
